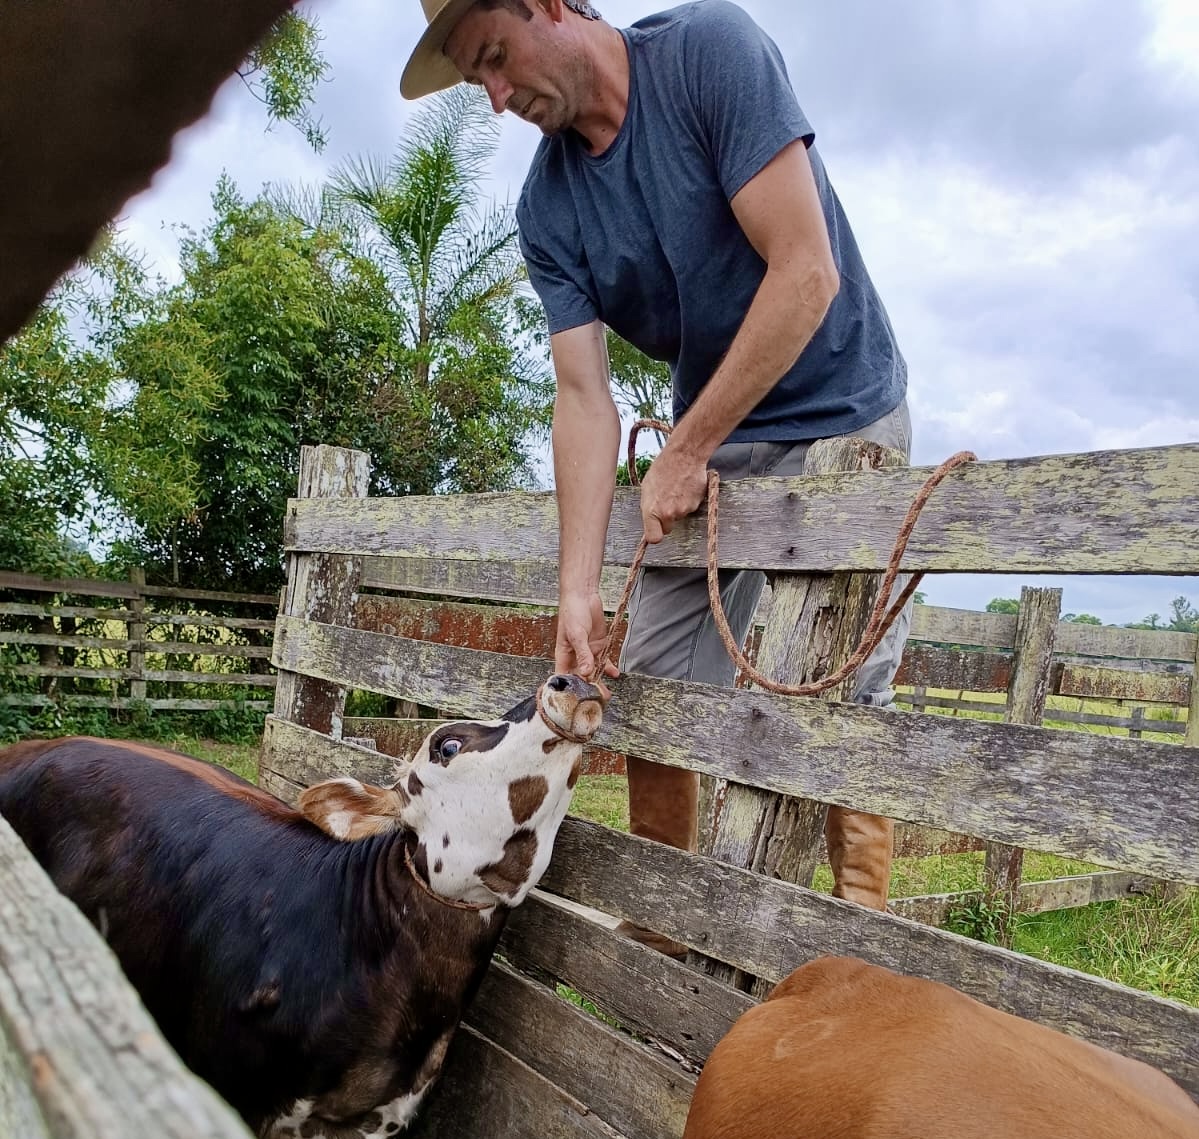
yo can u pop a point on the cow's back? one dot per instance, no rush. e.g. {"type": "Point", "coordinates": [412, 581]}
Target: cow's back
{"type": "Point", "coordinates": [846, 1050]}
{"type": "Point", "coordinates": [186, 871]}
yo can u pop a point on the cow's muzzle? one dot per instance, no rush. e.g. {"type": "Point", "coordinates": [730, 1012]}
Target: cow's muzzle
{"type": "Point", "coordinates": [571, 707]}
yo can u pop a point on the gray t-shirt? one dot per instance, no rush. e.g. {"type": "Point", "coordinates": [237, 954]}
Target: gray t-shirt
{"type": "Point", "coordinates": [643, 237]}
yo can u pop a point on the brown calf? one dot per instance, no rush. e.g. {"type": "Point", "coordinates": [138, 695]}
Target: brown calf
{"type": "Point", "coordinates": [846, 1050]}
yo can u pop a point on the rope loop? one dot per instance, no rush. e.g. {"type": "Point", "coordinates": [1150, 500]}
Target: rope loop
{"type": "Point", "coordinates": [882, 617]}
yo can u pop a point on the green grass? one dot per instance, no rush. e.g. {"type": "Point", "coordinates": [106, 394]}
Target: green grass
{"type": "Point", "coordinates": [602, 799]}
{"type": "Point", "coordinates": [241, 759]}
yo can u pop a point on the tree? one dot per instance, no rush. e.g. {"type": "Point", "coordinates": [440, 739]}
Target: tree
{"type": "Point", "coordinates": [1184, 617]}
{"type": "Point", "coordinates": [173, 415]}
{"type": "Point", "coordinates": [1003, 605]}
{"type": "Point", "coordinates": [283, 71]}
{"type": "Point", "coordinates": [1081, 619]}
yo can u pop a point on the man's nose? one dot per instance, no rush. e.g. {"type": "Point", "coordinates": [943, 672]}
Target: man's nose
{"type": "Point", "coordinates": [499, 91]}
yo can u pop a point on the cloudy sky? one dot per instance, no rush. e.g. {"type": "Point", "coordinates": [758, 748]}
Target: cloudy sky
{"type": "Point", "coordinates": [1023, 178]}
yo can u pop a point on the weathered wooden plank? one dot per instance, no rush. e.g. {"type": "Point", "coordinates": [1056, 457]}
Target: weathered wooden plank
{"type": "Point", "coordinates": [520, 581]}
{"type": "Point", "coordinates": [78, 586]}
{"type": "Point", "coordinates": [70, 670]}
{"type": "Point", "coordinates": [645, 992]}
{"type": "Point", "coordinates": [196, 620]}
{"type": "Point", "coordinates": [1126, 664]}
{"type": "Point", "coordinates": [963, 627]}
{"type": "Point", "coordinates": [321, 587]}
{"type": "Point", "coordinates": [487, 1093]}
{"type": "Point", "coordinates": [937, 667]}
{"type": "Point", "coordinates": [28, 609]}
{"type": "Point", "coordinates": [493, 628]}
{"type": "Point", "coordinates": [94, 587]}
{"type": "Point", "coordinates": [1127, 512]}
{"type": "Point", "coordinates": [80, 1057]}
{"type": "Point", "coordinates": [238, 679]}
{"type": "Point", "coordinates": [1033, 897]}
{"type": "Point", "coordinates": [1108, 641]}
{"type": "Point", "coordinates": [119, 703]}
{"type": "Point", "coordinates": [1113, 684]}
{"type": "Point", "coordinates": [304, 756]}
{"type": "Point", "coordinates": [1052, 715]}
{"type": "Point", "coordinates": [1125, 804]}
{"type": "Point", "coordinates": [635, 1090]}
{"type": "Point", "coordinates": [210, 621]}
{"type": "Point", "coordinates": [769, 928]}
{"type": "Point", "coordinates": [178, 594]}
{"type": "Point", "coordinates": [138, 645]}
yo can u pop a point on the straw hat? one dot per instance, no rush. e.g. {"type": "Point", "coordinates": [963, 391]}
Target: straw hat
{"type": "Point", "coordinates": [429, 69]}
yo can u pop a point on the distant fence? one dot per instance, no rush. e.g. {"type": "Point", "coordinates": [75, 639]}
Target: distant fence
{"type": "Point", "coordinates": [114, 644]}
{"type": "Point", "coordinates": [128, 629]}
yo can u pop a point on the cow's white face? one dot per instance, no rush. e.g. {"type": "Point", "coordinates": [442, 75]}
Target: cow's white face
{"type": "Point", "coordinates": [484, 799]}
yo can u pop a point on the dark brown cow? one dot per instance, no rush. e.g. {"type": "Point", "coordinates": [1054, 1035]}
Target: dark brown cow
{"type": "Point", "coordinates": [846, 1050]}
{"type": "Point", "coordinates": [313, 974]}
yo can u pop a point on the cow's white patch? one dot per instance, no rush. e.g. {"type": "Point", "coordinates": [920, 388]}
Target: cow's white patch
{"type": "Point", "coordinates": [338, 823]}
{"type": "Point", "coordinates": [384, 1121]}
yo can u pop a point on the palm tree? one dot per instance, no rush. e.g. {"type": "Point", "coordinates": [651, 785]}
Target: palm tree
{"type": "Point", "coordinates": [452, 265]}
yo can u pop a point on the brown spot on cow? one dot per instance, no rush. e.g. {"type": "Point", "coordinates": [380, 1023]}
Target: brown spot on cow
{"type": "Point", "coordinates": [525, 796]}
{"type": "Point", "coordinates": [575, 772]}
{"type": "Point", "coordinates": [437, 866]}
{"type": "Point", "coordinates": [512, 871]}
{"type": "Point", "coordinates": [415, 786]}
{"type": "Point", "coordinates": [445, 841]}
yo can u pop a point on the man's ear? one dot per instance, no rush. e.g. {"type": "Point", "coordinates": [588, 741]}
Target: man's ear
{"type": "Point", "coordinates": [348, 810]}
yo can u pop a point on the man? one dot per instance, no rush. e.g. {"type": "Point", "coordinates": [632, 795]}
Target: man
{"type": "Point", "coordinates": [677, 198]}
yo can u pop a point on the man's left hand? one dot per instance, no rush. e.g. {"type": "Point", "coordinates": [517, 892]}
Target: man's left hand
{"type": "Point", "coordinates": [674, 486]}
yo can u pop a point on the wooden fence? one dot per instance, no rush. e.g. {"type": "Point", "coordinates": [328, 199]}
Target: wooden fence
{"type": "Point", "coordinates": [78, 1058]}
{"type": "Point", "coordinates": [112, 644]}
{"type": "Point", "coordinates": [531, 1064]}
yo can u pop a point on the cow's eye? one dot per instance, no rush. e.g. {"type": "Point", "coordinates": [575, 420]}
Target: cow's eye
{"type": "Point", "coordinates": [447, 749]}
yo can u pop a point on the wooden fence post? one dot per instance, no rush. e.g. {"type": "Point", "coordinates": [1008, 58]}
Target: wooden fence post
{"type": "Point", "coordinates": [815, 622]}
{"type": "Point", "coordinates": [136, 631]}
{"type": "Point", "coordinates": [1032, 660]}
{"type": "Point", "coordinates": [1137, 728]}
{"type": "Point", "coordinates": [320, 587]}
{"type": "Point", "coordinates": [1191, 738]}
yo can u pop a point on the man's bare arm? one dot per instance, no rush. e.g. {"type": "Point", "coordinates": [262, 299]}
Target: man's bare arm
{"type": "Point", "coordinates": [586, 438]}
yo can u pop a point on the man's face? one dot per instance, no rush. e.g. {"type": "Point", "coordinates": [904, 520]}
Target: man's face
{"type": "Point", "coordinates": [524, 65]}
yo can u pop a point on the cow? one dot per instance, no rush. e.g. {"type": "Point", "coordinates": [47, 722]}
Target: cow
{"type": "Point", "coordinates": [310, 963]}
{"type": "Point", "coordinates": [846, 1050]}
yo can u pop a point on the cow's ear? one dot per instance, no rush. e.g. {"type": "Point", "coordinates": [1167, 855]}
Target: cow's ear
{"type": "Point", "coordinates": [347, 809]}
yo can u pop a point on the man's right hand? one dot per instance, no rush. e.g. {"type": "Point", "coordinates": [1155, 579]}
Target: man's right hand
{"type": "Point", "coordinates": [581, 633]}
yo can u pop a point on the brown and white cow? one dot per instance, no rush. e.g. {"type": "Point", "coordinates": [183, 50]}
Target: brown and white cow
{"type": "Point", "coordinates": [846, 1050]}
{"type": "Point", "coordinates": [311, 964]}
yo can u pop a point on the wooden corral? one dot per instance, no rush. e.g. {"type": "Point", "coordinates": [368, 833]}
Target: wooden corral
{"type": "Point", "coordinates": [530, 1063]}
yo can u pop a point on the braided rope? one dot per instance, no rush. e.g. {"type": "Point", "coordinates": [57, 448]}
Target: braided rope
{"type": "Point", "coordinates": [881, 617]}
